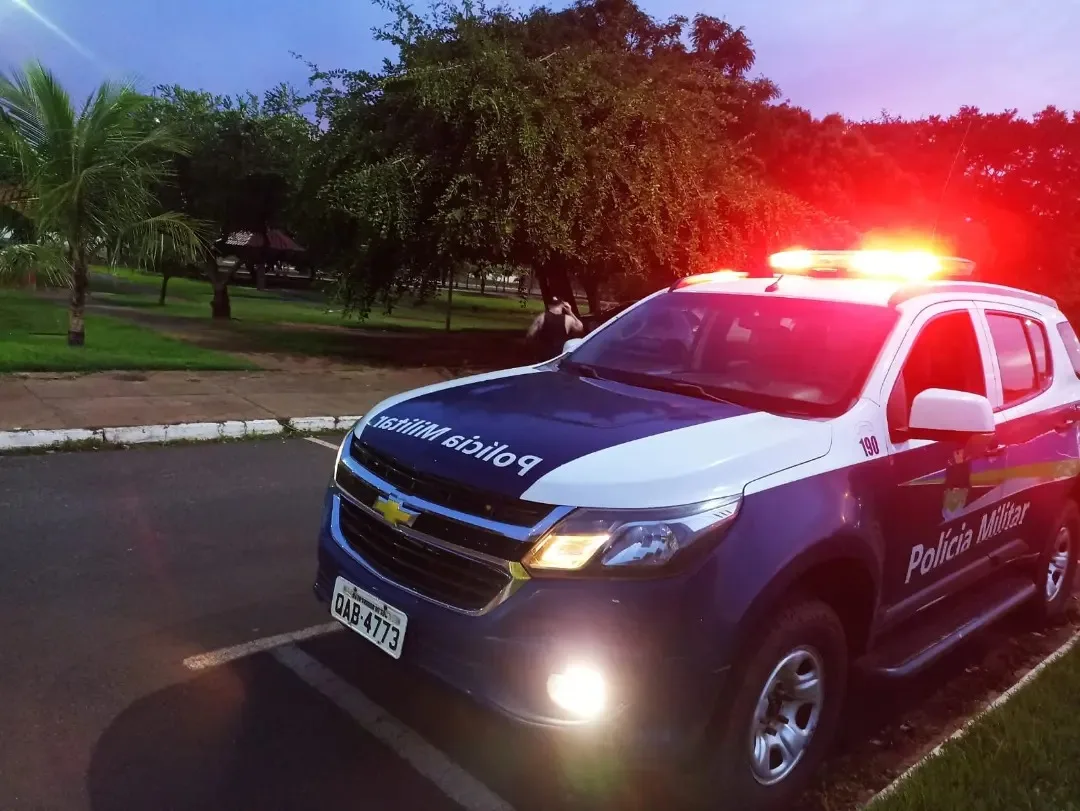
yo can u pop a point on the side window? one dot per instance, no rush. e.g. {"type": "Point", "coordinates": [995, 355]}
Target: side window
{"type": "Point", "coordinates": [1040, 351]}
{"type": "Point", "coordinates": [1072, 344]}
{"type": "Point", "coordinates": [1020, 346]}
{"type": "Point", "coordinates": [944, 356]}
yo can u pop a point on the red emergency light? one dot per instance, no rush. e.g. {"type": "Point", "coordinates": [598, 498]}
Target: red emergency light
{"type": "Point", "coordinates": [913, 265]}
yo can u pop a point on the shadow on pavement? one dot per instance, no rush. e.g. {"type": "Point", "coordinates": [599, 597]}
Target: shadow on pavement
{"type": "Point", "coordinates": [253, 735]}
{"type": "Point", "coordinates": [888, 724]}
{"type": "Point", "coordinates": [530, 769]}
{"type": "Point", "coordinates": [247, 736]}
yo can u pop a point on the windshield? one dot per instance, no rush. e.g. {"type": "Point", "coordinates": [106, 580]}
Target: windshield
{"type": "Point", "coordinates": [772, 352]}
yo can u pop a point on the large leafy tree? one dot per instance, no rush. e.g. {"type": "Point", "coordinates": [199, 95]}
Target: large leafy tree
{"type": "Point", "coordinates": [593, 143]}
{"type": "Point", "coordinates": [244, 168]}
{"type": "Point", "coordinates": [86, 178]}
{"type": "Point", "coordinates": [998, 187]}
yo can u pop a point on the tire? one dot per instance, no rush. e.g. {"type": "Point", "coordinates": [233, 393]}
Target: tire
{"type": "Point", "coordinates": [802, 637]}
{"type": "Point", "coordinates": [1056, 570]}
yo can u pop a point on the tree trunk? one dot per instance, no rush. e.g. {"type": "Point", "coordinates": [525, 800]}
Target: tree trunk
{"type": "Point", "coordinates": [449, 299]}
{"type": "Point", "coordinates": [545, 288]}
{"type": "Point", "coordinates": [483, 283]}
{"type": "Point", "coordinates": [592, 293]}
{"type": "Point", "coordinates": [76, 325]}
{"type": "Point", "coordinates": [260, 276]}
{"type": "Point", "coordinates": [219, 280]}
{"type": "Point", "coordinates": [164, 287]}
{"type": "Point", "coordinates": [220, 307]}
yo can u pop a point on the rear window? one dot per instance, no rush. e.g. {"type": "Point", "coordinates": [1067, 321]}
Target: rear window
{"type": "Point", "coordinates": [1015, 361]}
{"type": "Point", "coordinates": [1072, 344]}
{"type": "Point", "coordinates": [770, 352]}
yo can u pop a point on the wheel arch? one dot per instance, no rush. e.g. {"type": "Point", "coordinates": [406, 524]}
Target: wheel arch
{"type": "Point", "coordinates": [841, 571]}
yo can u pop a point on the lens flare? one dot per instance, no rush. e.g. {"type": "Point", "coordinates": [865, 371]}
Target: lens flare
{"type": "Point", "coordinates": [52, 27]}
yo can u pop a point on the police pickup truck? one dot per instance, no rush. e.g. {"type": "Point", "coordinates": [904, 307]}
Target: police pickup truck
{"type": "Point", "coordinates": [686, 529]}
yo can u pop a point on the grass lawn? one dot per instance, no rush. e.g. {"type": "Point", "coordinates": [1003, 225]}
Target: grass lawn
{"type": "Point", "coordinates": [33, 338]}
{"type": "Point", "coordinates": [1024, 755]}
{"type": "Point", "coordinates": [191, 298]}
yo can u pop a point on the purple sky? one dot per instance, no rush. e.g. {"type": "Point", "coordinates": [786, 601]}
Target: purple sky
{"type": "Point", "coordinates": [857, 57]}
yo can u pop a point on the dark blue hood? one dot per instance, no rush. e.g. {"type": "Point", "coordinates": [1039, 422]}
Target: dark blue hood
{"type": "Point", "coordinates": [501, 435]}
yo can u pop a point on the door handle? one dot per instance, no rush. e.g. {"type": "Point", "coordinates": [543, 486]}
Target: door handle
{"type": "Point", "coordinates": [995, 450]}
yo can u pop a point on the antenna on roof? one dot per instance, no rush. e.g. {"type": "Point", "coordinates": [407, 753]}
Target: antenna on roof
{"type": "Point", "coordinates": [948, 177]}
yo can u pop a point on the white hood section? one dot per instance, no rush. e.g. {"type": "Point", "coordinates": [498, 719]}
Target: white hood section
{"type": "Point", "coordinates": [685, 466]}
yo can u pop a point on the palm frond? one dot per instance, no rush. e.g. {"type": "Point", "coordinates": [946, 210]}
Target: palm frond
{"type": "Point", "coordinates": [46, 263]}
{"type": "Point", "coordinates": [169, 236]}
{"type": "Point", "coordinates": [39, 107]}
{"type": "Point", "coordinates": [90, 175]}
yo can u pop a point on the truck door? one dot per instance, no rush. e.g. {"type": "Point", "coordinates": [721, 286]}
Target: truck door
{"type": "Point", "coordinates": [1036, 420]}
{"type": "Point", "coordinates": [939, 488]}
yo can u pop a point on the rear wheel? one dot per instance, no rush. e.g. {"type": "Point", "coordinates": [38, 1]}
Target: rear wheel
{"type": "Point", "coordinates": [782, 714]}
{"type": "Point", "coordinates": [1056, 570]}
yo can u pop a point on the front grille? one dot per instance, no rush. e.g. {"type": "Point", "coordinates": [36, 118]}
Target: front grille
{"type": "Point", "coordinates": [424, 568]}
{"type": "Point", "coordinates": [470, 537]}
{"type": "Point", "coordinates": [447, 493]}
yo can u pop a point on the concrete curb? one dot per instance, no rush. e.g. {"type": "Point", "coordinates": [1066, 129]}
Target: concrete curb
{"type": "Point", "coordinates": [35, 439]}
{"type": "Point", "coordinates": [1028, 677]}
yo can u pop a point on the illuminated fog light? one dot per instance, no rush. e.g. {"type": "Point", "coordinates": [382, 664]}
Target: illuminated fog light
{"type": "Point", "coordinates": [579, 690]}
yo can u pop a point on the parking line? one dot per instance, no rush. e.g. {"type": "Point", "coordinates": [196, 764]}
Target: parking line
{"type": "Point", "coordinates": [455, 782]}
{"type": "Point", "coordinates": [322, 442]}
{"type": "Point", "coordinates": [223, 655]}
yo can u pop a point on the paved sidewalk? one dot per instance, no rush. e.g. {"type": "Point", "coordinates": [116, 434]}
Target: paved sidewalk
{"type": "Point", "coordinates": [109, 399]}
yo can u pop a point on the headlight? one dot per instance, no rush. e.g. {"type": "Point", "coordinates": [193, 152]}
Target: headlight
{"type": "Point", "coordinates": [628, 538]}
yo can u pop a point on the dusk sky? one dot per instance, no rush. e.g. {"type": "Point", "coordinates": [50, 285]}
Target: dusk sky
{"type": "Point", "coordinates": [857, 57]}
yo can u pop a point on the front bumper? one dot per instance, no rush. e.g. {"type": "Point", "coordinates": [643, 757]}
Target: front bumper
{"type": "Point", "coordinates": [645, 636]}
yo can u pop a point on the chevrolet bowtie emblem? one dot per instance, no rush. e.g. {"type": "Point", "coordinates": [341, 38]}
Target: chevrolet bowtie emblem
{"type": "Point", "coordinates": [393, 512]}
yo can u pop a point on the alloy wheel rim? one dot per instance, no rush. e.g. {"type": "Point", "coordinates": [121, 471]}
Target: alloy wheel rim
{"type": "Point", "coordinates": [786, 716]}
{"type": "Point", "coordinates": [1059, 564]}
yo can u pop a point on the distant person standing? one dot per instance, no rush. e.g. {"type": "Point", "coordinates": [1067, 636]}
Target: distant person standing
{"type": "Point", "coordinates": [552, 328]}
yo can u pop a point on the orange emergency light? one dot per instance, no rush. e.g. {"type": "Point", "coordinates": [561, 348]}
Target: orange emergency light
{"type": "Point", "coordinates": [702, 278]}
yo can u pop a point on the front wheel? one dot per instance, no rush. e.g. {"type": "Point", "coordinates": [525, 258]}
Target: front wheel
{"type": "Point", "coordinates": [1056, 569]}
{"type": "Point", "coordinates": [782, 715]}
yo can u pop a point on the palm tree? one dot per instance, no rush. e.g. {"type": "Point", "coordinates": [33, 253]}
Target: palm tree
{"type": "Point", "coordinates": [85, 180]}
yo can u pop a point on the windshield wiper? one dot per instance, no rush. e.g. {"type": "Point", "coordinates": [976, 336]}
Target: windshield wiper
{"type": "Point", "coordinates": [582, 369]}
{"type": "Point", "coordinates": [684, 387]}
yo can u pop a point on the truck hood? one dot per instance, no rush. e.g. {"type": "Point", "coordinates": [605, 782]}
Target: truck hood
{"type": "Point", "coordinates": [555, 438]}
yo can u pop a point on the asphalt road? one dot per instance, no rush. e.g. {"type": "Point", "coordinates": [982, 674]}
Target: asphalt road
{"type": "Point", "coordinates": [116, 567]}
{"type": "Point", "coordinates": [120, 565]}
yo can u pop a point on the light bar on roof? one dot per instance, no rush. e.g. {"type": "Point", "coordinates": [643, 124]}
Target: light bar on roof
{"type": "Point", "coordinates": [702, 278]}
{"type": "Point", "coordinates": [912, 265]}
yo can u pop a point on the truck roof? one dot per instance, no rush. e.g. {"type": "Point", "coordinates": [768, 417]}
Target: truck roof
{"type": "Point", "coordinates": [880, 292]}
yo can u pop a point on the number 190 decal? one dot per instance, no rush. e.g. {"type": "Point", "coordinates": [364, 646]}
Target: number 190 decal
{"type": "Point", "coordinates": [870, 445]}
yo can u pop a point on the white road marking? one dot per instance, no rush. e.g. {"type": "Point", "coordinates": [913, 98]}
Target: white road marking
{"type": "Point", "coordinates": [220, 657]}
{"type": "Point", "coordinates": [963, 730]}
{"type": "Point", "coordinates": [322, 442]}
{"type": "Point", "coordinates": [455, 782]}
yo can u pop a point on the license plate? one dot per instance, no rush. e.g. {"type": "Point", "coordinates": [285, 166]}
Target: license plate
{"type": "Point", "coordinates": [369, 616]}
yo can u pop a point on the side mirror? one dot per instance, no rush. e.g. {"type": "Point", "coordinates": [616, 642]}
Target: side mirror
{"type": "Point", "coordinates": [571, 345]}
{"type": "Point", "coordinates": [947, 414]}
